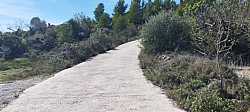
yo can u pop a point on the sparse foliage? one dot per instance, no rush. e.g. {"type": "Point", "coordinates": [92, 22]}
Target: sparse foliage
{"type": "Point", "coordinates": [220, 31]}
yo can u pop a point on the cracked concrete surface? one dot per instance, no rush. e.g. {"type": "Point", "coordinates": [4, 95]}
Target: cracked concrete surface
{"type": "Point", "coordinates": [110, 82]}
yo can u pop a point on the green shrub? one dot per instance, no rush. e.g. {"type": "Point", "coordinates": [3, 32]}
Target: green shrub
{"type": "Point", "coordinates": [11, 46]}
{"type": "Point", "coordinates": [166, 32]}
{"type": "Point", "coordinates": [119, 23]}
{"type": "Point", "coordinates": [74, 30]}
{"type": "Point", "coordinates": [211, 101]}
{"type": "Point", "coordinates": [41, 42]}
{"type": "Point", "coordinates": [195, 84]}
{"type": "Point", "coordinates": [68, 50]}
{"type": "Point", "coordinates": [64, 33]}
{"type": "Point", "coordinates": [68, 54]}
{"type": "Point", "coordinates": [224, 26]}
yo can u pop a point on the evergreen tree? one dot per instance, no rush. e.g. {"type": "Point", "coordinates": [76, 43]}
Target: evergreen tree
{"type": "Point", "coordinates": [119, 21]}
{"type": "Point", "coordinates": [157, 6]}
{"type": "Point", "coordinates": [148, 10]}
{"type": "Point", "coordinates": [169, 5]}
{"type": "Point", "coordinates": [120, 8]}
{"type": "Point", "coordinates": [135, 14]}
{"type": "Point", "coordinates": [143, 4]}
{"type": "Point", "coordinates": [104, 21]}
{"type": "Point", "coordinates": [75, 29]}
{"type": "Point", "coordinates": [181, 2]}
{"type": "Point", "coordinates": [99, 11]}
{"type": "Point", "coordinates": [37, 25]}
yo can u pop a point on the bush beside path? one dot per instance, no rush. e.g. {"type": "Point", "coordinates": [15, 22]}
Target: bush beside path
{"type": "Point", "coordinates": [109, 82]}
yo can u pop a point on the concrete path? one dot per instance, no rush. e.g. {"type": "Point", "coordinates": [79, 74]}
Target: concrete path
{"type": "Point", "coordinates": [111, 82]}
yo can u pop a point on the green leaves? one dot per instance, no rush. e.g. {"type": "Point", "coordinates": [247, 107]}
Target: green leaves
{"type": "Point", "coordinates": [166, 32]}
{"type": "Point", "coordinates": [135, 13]}
{"type": "Point", "coordinates": [99, 11]}
{"type": "Point", "coordinates": [120, 8]}
{"type": "Point", "coordinates": [104, 21]}
{"type": "Point", "coordinates": [102, 18]}
{"type": "Point", "coordinates": [11, 46]}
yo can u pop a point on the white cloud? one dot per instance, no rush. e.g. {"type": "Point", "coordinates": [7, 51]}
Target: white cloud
{"type": "Point", "coordinates": [21, 9]}
{"type": "Point", "coordinates": [13, 11]}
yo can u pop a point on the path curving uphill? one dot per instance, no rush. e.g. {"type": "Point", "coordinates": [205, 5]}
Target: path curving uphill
{"type": "Point", "coordinates": [110, 82]}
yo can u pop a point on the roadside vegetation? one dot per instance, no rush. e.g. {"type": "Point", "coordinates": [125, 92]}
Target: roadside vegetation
{"type": "Point", "coordinates": [188, 51]}
{"type": "Point", "coordinates": [45, 48]}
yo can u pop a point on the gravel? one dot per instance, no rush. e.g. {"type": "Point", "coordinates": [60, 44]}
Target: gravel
{"type": "Point", "coordinates": [11, 90]}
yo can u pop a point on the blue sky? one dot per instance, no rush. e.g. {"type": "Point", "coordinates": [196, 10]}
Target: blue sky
{"type": "Point", "coordinates": [13, 12]}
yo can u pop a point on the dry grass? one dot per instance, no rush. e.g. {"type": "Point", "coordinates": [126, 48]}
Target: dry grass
{"type": "Point", "coordinates": [14, 74]}
{"type": "Point", "coordinates": [194, 84]}
{"type": "Point", "coordinates": [243, 71]}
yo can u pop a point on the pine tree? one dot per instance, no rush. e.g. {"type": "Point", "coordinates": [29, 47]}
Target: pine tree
{"type": "Point", "coordinates": [143, 4]}
{"type": "Point", "coordinates": [169, 5]}
{"type": "Point", "coordinates": [75, 28]}
{"type": "Point", "coordinates": [120, 8]}
{"type": "Point", "coordinates": [181, 1]}
{"type": "Point", "coordinates": [135, 14]}
{"type": "Point", "coordinates": [99, 11]}
{"type": "Point", "coordinates": [104, 21]}
{"type": "Point", "coordinates": [157, 6]}
{"type": "Point", "coordinates": [148, 10]}
{"type": "Point", "coordinates": [119, 21]}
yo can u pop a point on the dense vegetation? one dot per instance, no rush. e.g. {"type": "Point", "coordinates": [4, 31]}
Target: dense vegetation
{"type": "Point", "coordinates": [45, 48]}
{"type": "Point", "coordinates": [187, 52]}
{"type": "Point", "coordinates": [187, 48]}
{"type": "Point", "coordinates": [193, 82]}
